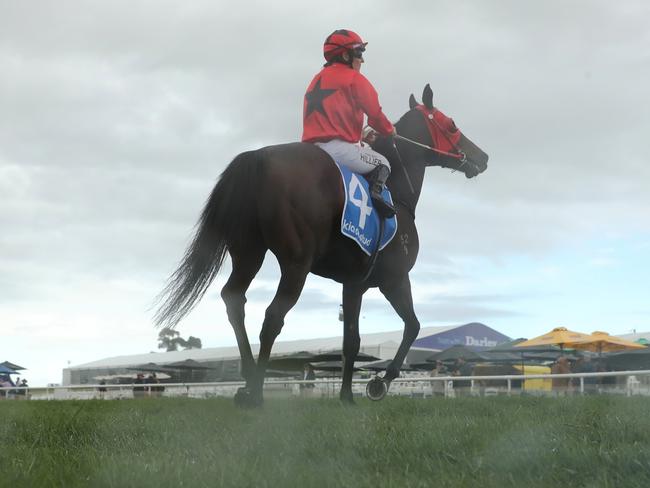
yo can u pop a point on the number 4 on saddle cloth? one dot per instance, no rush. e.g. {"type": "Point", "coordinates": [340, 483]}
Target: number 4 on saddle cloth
{"type": "Point", "coordinates": [360, 221]}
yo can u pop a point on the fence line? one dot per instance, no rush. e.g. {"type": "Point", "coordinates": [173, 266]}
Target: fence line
{"type": "Point", "coordinates": [418, 386]}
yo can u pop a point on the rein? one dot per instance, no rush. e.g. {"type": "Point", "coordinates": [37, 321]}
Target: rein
{"type": "Point", "coordinates": [460, 155]}
{"type": "Point", "coordinates": [406, 173]}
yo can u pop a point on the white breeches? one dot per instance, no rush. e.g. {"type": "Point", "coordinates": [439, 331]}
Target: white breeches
{"type": "Point", "coordinates": [359, 157]}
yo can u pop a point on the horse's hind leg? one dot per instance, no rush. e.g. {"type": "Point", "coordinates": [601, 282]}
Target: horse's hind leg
{"type": "Point", "coordinates": [286, 296]}
{"type": "Point", "coordinates": [244, 268]}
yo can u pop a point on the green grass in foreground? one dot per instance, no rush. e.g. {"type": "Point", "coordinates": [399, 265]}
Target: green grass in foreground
{"type": "Point", "coordinates": [487, 442]}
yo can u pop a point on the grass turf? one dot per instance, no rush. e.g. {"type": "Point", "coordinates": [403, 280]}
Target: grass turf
{"type": "Point", "coordinates": [517, 441]}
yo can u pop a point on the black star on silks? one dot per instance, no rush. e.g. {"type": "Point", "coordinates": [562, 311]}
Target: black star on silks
{"type": "Point", "coordinates": [315, 98]}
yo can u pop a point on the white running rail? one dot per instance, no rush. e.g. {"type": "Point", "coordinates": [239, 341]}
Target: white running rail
{"type": "Point", "coordinates": [625, 383]}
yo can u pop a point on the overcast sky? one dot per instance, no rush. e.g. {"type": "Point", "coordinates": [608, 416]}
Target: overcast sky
{"type": "Point", "coordinates": [117, 117]}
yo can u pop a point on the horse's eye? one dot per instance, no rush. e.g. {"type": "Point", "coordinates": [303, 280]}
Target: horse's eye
{"type": "Point", "coordinates": [451, 126]}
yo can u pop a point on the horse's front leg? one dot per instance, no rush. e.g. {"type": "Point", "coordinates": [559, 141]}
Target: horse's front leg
{"type": "Point", "coordinates": [401, 300]}
{"type": "Point", "coordinates": [352, 296]}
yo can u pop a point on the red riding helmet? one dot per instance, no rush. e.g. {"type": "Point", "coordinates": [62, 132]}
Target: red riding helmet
{"type": "Point", "coordinates": [340, 41]}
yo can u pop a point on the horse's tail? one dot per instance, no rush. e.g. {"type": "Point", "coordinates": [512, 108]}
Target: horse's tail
{"type": "Point", "coordinates": [227, 219]}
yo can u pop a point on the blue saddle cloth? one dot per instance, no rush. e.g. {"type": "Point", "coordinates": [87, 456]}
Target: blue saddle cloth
{"type": "Point", "coordinates": [360, 221]}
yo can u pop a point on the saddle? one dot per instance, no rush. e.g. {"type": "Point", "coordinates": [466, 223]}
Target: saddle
{"type": "Point", "coordinates": [360, 220]}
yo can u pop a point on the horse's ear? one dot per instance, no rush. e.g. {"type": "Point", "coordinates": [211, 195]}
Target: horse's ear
{"type": "Point", "coordinates": [427, 97]}
{"type": "Point", "coordinates": [412, 102]}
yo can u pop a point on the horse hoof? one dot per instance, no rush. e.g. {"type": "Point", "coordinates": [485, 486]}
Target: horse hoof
{"type": "Point", "coordinates": [244, 398]}
{"type": "Point", "coordinates": [376, 389]}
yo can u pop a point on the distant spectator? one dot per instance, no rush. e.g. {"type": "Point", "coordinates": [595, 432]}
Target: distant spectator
{"type": "Point", "coordinates": [561, 366]}
{"type": "Point", "coordinates": [586, 365]}
{"type": "Point", "coordinates": [138, 389]}
{"type": "Point", "coordinates": [438, 387]}
{"type": "Point", "coordinates": [606, 382]}
{"type": "Point", "coordinates": [307, 374]}
{"type": "Point", "coordinates": [22, 392]}
{"type": "Point", "coordinates": [154, 389]}
{"type": "Point", "coordinates": [462, 368]}
{"type": "Point", "coordinates": [102, 388]}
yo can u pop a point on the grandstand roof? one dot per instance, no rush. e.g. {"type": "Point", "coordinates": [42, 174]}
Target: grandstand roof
{"type": "Point", "coordinates": [635, 336]}
{"type": "Point", "coordinates": [280, 347]}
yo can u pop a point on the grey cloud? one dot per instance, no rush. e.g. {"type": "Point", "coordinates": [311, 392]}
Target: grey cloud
{"type": "Point", "coordinates": [111, 100]}
{"type": "Point", "coordinates": [455, 313]}
{"type": "Point", "coordinates": [311, 299]}
{"type": "Point", "coordinates": [450, 308]}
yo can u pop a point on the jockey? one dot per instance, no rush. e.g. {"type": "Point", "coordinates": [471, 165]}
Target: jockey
{"type": "Point", "coordinates": [335, 103]}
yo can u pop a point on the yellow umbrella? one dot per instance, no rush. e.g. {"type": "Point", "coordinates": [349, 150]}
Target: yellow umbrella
{"type": "Point", "coordinates": [603, 342]}
{"type": "Point", "coordinates": [560, 336]}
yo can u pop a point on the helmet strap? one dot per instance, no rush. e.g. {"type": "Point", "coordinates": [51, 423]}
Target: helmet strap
{"type": "Point", "coordinates": [339, 59]}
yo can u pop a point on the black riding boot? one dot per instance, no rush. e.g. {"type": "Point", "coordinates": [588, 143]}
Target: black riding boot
{"type": "Point", "coordinates": [384, 208]}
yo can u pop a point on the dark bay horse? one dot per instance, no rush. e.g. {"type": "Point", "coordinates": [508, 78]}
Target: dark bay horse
{"type": "Point", "coordinates": [288, 199]}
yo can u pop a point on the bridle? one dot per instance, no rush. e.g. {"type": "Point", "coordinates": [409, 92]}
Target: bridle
{"type": "Point", "coordinates": [431, 122]}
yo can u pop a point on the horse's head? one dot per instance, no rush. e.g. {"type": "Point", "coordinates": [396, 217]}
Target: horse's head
{"type": "Point", "coordinates": [435, 139]}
